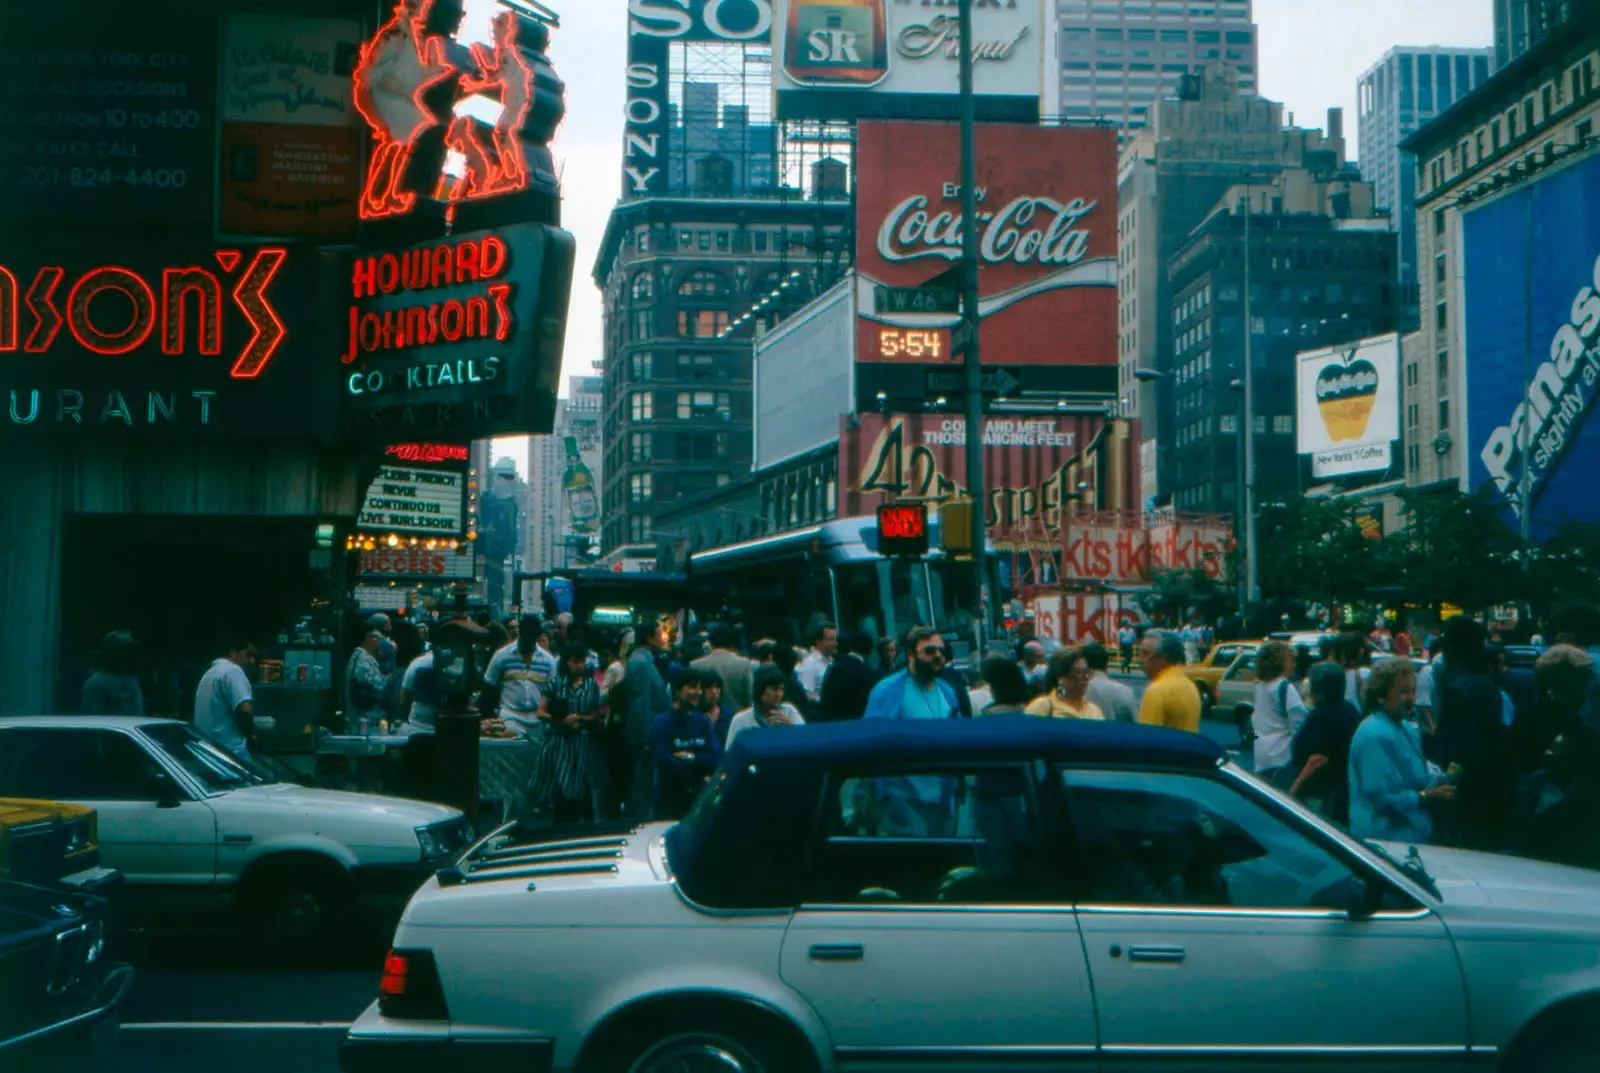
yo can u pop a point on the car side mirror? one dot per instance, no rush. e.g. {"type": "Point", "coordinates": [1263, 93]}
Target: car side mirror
{"type": "Point", "coordinates": [1363, 897]}
{"type": "Point", "coordinates": [164, 790]}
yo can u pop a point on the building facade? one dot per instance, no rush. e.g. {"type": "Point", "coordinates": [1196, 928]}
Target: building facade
{"type": "Point", "coordinates": [1119, 57]}
{"type": "Point", "coordinates": [566, 481]}
{"type": "Point", "coordinates": [1528, 117]}
{"type": "Point", "coordinates": [1521, 24]}
{"type": "Point", "coordinates": [1170, 178]}
{"type": "Point", "coordinates": [1394, 98]}
{"type": "Point", "coordinates": [689, 284]}
{"type": "Point", "coordinates": [1321, 268]}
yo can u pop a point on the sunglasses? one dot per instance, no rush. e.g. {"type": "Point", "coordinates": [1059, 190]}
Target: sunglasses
{"type": "Point", "coordinates": [929, 653]}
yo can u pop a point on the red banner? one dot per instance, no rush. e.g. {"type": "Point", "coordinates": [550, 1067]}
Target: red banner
{"type": "Point", "coordinates": [1047, 211]}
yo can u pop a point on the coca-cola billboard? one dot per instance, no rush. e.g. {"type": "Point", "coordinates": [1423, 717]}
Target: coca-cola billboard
{"type": "Point", "coordinates": [1047, 239]}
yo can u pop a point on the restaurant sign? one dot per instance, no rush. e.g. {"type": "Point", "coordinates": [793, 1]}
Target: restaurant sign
{"type": "Point", "coordinates": [459, 339]}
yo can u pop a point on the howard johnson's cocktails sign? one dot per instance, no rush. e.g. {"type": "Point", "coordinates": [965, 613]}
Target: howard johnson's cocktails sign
{"type": "Point", "coordinates": [1528, 421]}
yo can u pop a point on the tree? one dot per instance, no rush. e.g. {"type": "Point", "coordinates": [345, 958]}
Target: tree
{"type": "Point", "coordinates": [1177, 594]}
{"type": "Point", "coordinates": [1456, 548]}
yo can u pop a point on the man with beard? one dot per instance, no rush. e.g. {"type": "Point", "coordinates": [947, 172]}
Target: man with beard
{"type": "Point", "coordinates": [918, 692]}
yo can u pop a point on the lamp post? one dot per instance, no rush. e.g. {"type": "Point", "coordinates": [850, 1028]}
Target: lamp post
{"type": "Point", "coordinates": [1252, 588]}
{"type": "Point", "coordinates": [969, 323]}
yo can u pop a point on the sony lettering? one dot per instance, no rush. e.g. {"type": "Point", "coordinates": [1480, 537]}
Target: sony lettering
{"type": "Point", "coordinates": [672, 19]}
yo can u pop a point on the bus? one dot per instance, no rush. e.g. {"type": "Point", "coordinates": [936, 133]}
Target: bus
{"type": "Point", "coordinates": [777, 586]}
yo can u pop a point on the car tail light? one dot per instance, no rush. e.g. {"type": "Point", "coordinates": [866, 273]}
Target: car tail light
{"type": "Point", "coordinates": [410, 988]}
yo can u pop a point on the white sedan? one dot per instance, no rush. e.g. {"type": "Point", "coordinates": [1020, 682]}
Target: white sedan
{"type": "Point", "coordinates": [193, 831]}
{"type": "Point", "coordinates": [1003, 893]}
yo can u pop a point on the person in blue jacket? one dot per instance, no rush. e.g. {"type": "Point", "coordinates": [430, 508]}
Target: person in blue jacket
{"type": "Point", "coordinates": [919, 691]}
{"type": "Point", "coordinates": [1391, 788]}
{"type": "Point", "coordinates": [684, 746]}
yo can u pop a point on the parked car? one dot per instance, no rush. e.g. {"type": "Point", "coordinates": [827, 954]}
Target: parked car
{"type": "Point", "coordinates": [1209, 671]}
{"type": "Point", "coordinates": [193, 830]}
{"type": "Point", "coordinates": [59, 1006]}
{"type": "Point", "coordinates": [48, 842]}
{"type": "Point", "coordinates": [926, 894]}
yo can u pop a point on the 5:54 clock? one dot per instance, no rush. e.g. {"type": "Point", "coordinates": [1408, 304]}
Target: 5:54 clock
{"type": "Point", "coordinates": [914, 344]}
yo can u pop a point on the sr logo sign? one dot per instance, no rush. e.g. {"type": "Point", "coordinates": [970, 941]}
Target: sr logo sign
{"type": "Point", "coordinates": [651, 25]}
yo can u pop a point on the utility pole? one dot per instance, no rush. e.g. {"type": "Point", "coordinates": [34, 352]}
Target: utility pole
{"type": "Point", "coordinates": [1252, 589]}
{"type": "Point", "coordinates": [969, 325]}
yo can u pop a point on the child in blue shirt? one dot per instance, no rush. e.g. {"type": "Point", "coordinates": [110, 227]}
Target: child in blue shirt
{"type": "Point", "coordinates": [684, 745]}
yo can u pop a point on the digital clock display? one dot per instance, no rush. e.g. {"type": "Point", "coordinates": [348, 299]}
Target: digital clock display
{"type": "Point", "coordinates": [914, 344]}
{"type": "Point", "coordinates": [903, 529]}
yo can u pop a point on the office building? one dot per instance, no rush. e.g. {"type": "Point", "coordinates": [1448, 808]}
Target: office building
{"type": "Point", "coordinates": [1521, 24]}
{"type": "Point", "coordinates": [1394, 98]}
{"type": "Point", "coordinates": [1321, 273]}
{"type": "Point", "coordinates": [1533, 115]}
{"type": "Point", "coordinates": [566, 481]}
{"type": "Point", "coordinates": [1214, 136]}
{"type": "Point", "coordinates": [1119, 56]}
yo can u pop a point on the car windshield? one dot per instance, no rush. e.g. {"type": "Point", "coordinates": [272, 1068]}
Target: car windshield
{"type": "Point", "coordinates": [201, 759]}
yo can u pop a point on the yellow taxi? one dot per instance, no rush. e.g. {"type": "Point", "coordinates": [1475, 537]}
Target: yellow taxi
{"type": "Point", "coordinates": [51, 842]}
{"type": "Point", "coordinates": [1214, 664]}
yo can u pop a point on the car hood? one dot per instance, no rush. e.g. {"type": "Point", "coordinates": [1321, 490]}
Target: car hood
{"type": "Point", "coordinates": [1467, 878]}
{"type": "Point", "coordinates": [287, 796]}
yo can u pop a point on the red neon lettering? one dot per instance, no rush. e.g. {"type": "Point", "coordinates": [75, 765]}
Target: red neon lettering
{"type": "Point", "coordinates": [477, 317]}
{"type": "Point", "coordinates": [9, 315]}
{"type": "Point", "coordinates": [415, 270]}
{"type": "Point", "coordinates": [251, 297]}
{"type": "Point", "coordinates": [466, 261]}
{"type": "Point", "coordinates": [442, 267]}
{"type": "Point", "coordinates": [228, 259]}
{"type": "Point", "coordinates": [427, 452]}
{"type": "Point", "coordinates": [494, 257]}
{"type": "Point", "coordinates": [40, 301]}
{"type": "Point", "coordinates": [501, 293]}
{"type": "Point", "coordinates": [364, 277]}
{"type": "Point", "coordinates": [176, 285]}
{"type": "Point", "coordinates": [370, 328]}
{"type": "Point", "coordinates": [388, 273]}
{"type": "Point", "coordinates": [452, 331]}
{"type": "Point", "coordinates": [97, 282]}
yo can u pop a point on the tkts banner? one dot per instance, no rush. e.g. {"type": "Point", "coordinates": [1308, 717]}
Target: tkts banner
{"type": "Point", "coordinates": [200, 344]}
{"type": "Point", "coordinates": [1527, 427]}
{"type": "Point", "coordinates": [1047, 239]}
{"type": "Point", "coordinates": [1035, 467]}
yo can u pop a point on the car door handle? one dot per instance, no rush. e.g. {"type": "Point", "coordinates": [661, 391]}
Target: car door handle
{"type": "Point", "coordinates": [837, 951]}
{"type": "Point", "coordinates": [1157, 953]}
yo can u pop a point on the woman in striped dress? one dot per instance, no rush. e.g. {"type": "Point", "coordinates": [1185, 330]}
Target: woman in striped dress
{"type": "Point", "coordinates": [570, 779]}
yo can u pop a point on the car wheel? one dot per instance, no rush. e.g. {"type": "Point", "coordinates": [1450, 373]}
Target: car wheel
{"type": "Point", "coordinates": [297, 911]}
{"type": "Point", "coordinates": [706, 1052]}
{"type": "Point", "coordinates": [1207, 702]}
{"type": "Point", "coordinates": [1242, 718]}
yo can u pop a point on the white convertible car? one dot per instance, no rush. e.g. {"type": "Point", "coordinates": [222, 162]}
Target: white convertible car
{"type": "Point", "coordinates": [979, 895]}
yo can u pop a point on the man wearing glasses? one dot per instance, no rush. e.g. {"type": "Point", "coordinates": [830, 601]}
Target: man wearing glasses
{"type": "Point", "coordinates": [919, 691]}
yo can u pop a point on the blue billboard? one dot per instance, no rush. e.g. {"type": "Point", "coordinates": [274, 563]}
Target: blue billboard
{"type": "Point", "coordinates": [1532, 359]}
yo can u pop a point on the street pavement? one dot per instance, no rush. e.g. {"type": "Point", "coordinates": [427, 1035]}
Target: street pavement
{"type": "Point", "coordinates": [203, 1003]}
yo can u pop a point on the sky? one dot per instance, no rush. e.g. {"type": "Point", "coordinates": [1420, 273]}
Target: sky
{"type": "Point", "coordinates": [1311, 53]}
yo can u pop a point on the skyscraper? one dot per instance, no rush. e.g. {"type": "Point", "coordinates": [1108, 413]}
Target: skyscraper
{"type": "Point", "coordinates": [1394, 98]}
{"type": "Point", "coordinates": [1521, 24]}
{"type": "Point", "coordinates": [563, 516]}
{"type": "Point", "coordinates": [1118, 56]}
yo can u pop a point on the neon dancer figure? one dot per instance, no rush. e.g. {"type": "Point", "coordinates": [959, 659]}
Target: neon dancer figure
{"type": "Point", "coordinates": [502, 73]}
{"type": "Point", "coordinates": [397, 68]}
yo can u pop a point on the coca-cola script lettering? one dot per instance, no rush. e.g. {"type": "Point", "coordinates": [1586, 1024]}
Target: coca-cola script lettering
{"type": "Point", "coordinates": [1028, 230]}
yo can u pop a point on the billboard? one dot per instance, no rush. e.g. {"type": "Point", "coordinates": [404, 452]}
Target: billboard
{"type": "Point", "coordinates": [1047, 205]}
{"type": "Point", "coordinates": [843, 59]}
{"type": "Point", "coordinates": [1349, 405]}
{"type": "Point", "coordinates": [1527, 412]}
{"type": "Point", "coordinates": [1035, 468]}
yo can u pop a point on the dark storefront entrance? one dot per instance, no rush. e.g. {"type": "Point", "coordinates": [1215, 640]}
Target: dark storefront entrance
{"type": "Point", "coordinates": [183, 584]}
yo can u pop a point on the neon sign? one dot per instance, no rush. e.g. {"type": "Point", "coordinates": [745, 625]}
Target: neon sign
{"type": "Point", "coordinates": [483, 315]}
{"type": "Point", "coordinates": [110, 310]}
{"type": "Point", "coordinates": [427, 452]}
{"type": "Point", "coordinates": [408, 79]}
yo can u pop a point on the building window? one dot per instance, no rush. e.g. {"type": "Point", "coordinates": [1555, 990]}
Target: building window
{"type": "Point", "coordinates": [642, 406]}
{"type": "Point", "coordinates": [1228, 423]}
{"type": "Point", "coordinates": [1260, 423]}
{"type": "Point", "coordinates": [643, 288]}
{"type": "Point", "coordinates": [640, 325]}
{"type": "Point", "coordinates": [703, 284]}
{"type": "Point", "coordinates": [702, 323]}
{"type": "Point", "coordinates": [639, 366]}
{"type": "Point", "coordinates": [641, 446]}
{"type": "Point", "coordinates": [704, 406]}
{"type": "Point", "coordinates": [639, 486]}
{"type": "Point", "coordinates": [1441, 316]}
{"type": "Point", "coordinates": [758, 239]}
{"type": "Point", "coordinates": [1438, 221]}
{"type": "Point", "coordinates": [697, 367]}
{"type": "Point", "coordinates": [644, 240]}
{"type": "Point", "coordinates": [638, 528]}
{"type": "Point", "coordinates": [1444, 415]}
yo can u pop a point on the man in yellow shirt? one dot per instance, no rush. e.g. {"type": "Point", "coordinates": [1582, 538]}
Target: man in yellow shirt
{"type": "Point", "coordinates": [1171, 699]}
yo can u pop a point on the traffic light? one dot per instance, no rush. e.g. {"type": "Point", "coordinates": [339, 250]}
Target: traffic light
{"type": "Point", "coordinates": [955, 527]}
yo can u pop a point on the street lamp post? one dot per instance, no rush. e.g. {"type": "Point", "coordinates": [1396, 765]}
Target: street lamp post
{"type": "Point", "coordinates": [1252, 588]}
{"type": "Point", "coordinates": [969, 324]}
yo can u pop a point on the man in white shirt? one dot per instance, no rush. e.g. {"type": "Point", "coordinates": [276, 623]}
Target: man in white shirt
{"type": "Point", "coordinates": [824, 643]}
{"type": "Point", "coordinates": [222, 702]}
{"type": "Point", "coordinates": [519, 673]}
{"type": "Point", "coordinates": [419, 696]}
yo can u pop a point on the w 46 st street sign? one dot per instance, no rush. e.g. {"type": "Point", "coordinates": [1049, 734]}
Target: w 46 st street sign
{"type": "Point", "coordinates": [925, 299]}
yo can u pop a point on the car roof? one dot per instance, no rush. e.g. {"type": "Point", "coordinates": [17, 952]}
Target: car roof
{"type": "Point", "coordinates": [989, 737]}
{"type": "Point", "coordinates": [114, 722]}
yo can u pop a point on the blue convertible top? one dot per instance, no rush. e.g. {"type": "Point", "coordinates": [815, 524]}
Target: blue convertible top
{"type": "Point", "coordinates": [991, 738]}
{"type": "Point", "coordinates": [748, 840]}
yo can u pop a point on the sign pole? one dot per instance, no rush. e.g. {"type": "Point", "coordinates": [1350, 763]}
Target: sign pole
{"type": "Point", "coordinates": [969, 322]}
